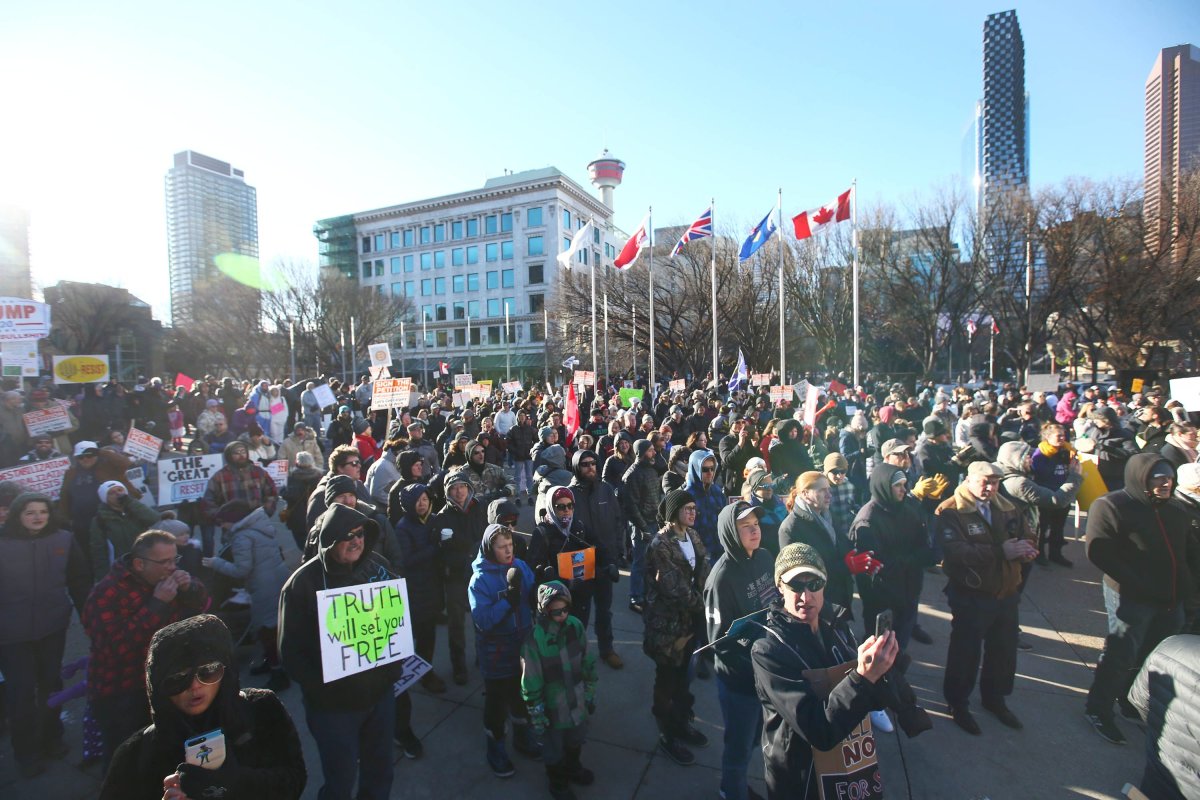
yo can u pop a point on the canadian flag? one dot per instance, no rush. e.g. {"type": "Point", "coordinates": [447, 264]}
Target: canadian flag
{"type": "Point", "coordinates": [808, 221]}
{"type": "Point", "coordinates": [633, 248]}
{"type": "Point", "coordinates": [995, 327]}
{"type": "Point", "coordinates": [971, 327]}
{"type": "Point", "coordinates": [443, 368]}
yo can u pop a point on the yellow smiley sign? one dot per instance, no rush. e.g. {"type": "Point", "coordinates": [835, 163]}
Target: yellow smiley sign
{"type": "Point", "coordinates": [80, 369]}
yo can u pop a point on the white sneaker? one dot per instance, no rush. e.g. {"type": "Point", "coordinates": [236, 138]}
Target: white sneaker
{"type": "Point", "coordinates": [881, 722]}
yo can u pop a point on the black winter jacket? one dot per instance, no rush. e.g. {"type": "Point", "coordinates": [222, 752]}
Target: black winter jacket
{"type": "Point", "coordinates": [597, 507]}
{"type": "Point", "coordinates": [897, 533]}
{"type": "Point", "coordinates": [802, 526]}
{"type": "Point", "coordinates": [641, 492]}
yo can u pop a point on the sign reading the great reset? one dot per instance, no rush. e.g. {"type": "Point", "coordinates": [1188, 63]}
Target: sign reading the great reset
{"type": "Point", "coordinates": [363, 627]}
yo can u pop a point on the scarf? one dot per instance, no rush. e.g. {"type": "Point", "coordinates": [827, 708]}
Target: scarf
{"type": "Point", "coordinates": [825, 519]}
{"type": "Point", "coordinates": [1183, 448]}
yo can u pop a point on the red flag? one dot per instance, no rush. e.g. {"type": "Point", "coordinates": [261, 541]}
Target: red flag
{"type": "Point", "coordinates": [836, 388]}
{"type": "Point", "coordinates": [995, 328]}
{"type": "Point", "coordinates": [571, 417]}
{"type": "Point", "coordinates": [184, 381]}
{"type": "Point", "coordinates": [971, 327]}
{"type": "Point", "coordinates": [836, 211]}
{"type": "Point", "coordinates": [443, 368]}
{"type": "Point", "coordinates": [633, 248]}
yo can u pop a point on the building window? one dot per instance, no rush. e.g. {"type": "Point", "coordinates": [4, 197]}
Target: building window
{"type": "Point", "coordinates": [537, 332]}
{"type": "Point", "coordinates": [459, 283]}
{"type": "Point", "coordinates": [534, 246]}
{"type": "Point", "coordinates": [472, 227]}
{"type": "Point", "coordinates": [408, 238]}
{"type": "Point", "coordinates": [379, 268]}
{"type": "Point", "coordinates": [506, 222]}
{"type": "Point", "coordinates": [494, 334]}
{"type": "Point", "coordinates": [489, 224]}
{"type": "Point", "coordinates": [439, 259]}
{"type": "Point", "coordinates": [395, 239]}
{"type": "Point", "coordinates": [510, 303]}
{"type": "Point", "coordinates": [408, 263]}
{"type": "Point", "coordinates": [536, 273]}
{"type": "Point", "coordinates": [442, 339]}
{"type": "Point", "coordinates": [426, 261]}
{"type": "Point", "coordinates": [440, 312]}
{"type": "Point", "coordinates": [493, 307]}
{"type": "Point", "coordinates": [533, 217]}
{"type": "Point", "coordinates": [366, 244]}
{"type": "Point", "coordinates": [366, 269]}
{"type": "Point", "coordinates": [439, 285]}
{"type": "Point", "coordinates": [456, 256]}
{"type": "Point", "coordinates": [474, 336]}
{"type": "Point", "coordinates": [427, 313]}
{"type": "Point", "coordinates": [566, 245]}
{"type": "Point", "coordinates": [473, 309]}
{"type": "Point", "coordinates": [460, 337]}
{"type": "Point", "coordinates": [397, 290]}
{"type": "Point", "coordinates": [536, 303]}
{"type": "Point", "coordinates": [379, 243]}
{"type": "Point", "coordinates": [493, 280]}
{"type": "Point", "coordinates": [426, 287]}
{"type": "Point", "coordinates": [425, 234]}
{"type": "Point", "coordinates": [506, 250]}
{"type": "Point", "coordinates": [460, 310]}
{"type": "Point", "coordinates": [507, 279]}
{"type": "Point", "coordinates": [473, 254]}
{"type": "Point", "coordinates": [439, 232]}
{"type": "Point", "coordinates": [472, 281]}
{"type": "Point", "coordinates": [408, 288]}
{"type": "Point", "coordinates": [491, 252]}
{"type": "Point", "coordinates": [395, 265]}
{"type": "Point", "coordinates": [582, 256]}
{"type": "Point", "coordinates": [456, 230]}
{"type": "Point", "coordinates": [429, 338]}
{"type": "Point", "coordinates": [566, 220]}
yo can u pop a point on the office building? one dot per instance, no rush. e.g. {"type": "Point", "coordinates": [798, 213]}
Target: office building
{"type": "Point", "coordinates": [15, 279]}
{"type": "Point", "coordinates": [211, 212]}
{"type": "Point", "coordinates": [1172, 132]}
{"type": "Point", "coordinates": [1002, 115]}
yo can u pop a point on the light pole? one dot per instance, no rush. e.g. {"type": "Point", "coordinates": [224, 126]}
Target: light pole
{"type": "Point", "coordinates": [292, 347]}
{"type": "Point", "coordinates": [507, 349]}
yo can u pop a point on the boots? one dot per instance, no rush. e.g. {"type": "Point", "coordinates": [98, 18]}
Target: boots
{"type": "Point", "coordinates": [575, 771]}
{"type": "Point", "coordinates": [526, 741]}
{"type": "Point", "coordinates": [497, 757]}
{"type": "Point", "coordinates": [560, 786]}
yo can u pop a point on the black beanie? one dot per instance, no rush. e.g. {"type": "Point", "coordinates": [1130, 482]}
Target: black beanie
{"type": "Point", "coordinates": [670, 505]}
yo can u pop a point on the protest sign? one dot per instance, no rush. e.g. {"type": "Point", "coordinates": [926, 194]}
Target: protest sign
{"type": "Point", "coordinates": [628, 395]}
{"type": "Point", "coordinates": [782, 393]}
{"type": "Point", "coordinates": [584, 377]}
{"type": "Point", "coordinates": [1042, 383]}
{"type": "Point", "coordinates": [141, 446]}
{"type": "Point", "coordinates": [324, 395]}
{"type": "Point", "coordinates": [381, 355]}
{"type": "Point", "coordinates": [760, 379]}
{"type": "Point", "coordinates": [278, 471]}
{"type": "Point", "coordinates": [627, 384]}
{"type": "Point", "coordinates": [511, 387]}
{"type": "Point", "coordinates": [47, 420]}
{"type": "Point", "coordinates": [405, 383]}
{"type": "Point", "coordinates": [458, 400]}
{"type": "Point", "coordinates": [186, 477]}
{"type": "Point", "coordinates": [462, 379]}
{"type": "Point", "coordinates": [678, 385]}
{"type": "Point", "coordinates": [578, 565]}
{"type": "Point", "coordinates": [1186, 391]}
{"type": "Point", "coordinates": [22, 320]}
{"type": "Point", "coordinates": [379, 372]}
{"type": "Point", "coordinates": [184, 381]}
{"type": "Point", "coordinates": [80, 369]}
{"type": "Point", "coordinates": [20, 358]}
{"type": "Point", "coordinates": [415, 668]}
{"type": "Point", "coordinates": [137, 479]}
{"type": "Point", "coordinates": [362, 627]}
{"type": "Point", "coordinates": [1136, 385]}
{"type": "Point", "coordinates": [387, 393]}
{"type": "Point", "coordinates": [810, 406]}
{"type": "Point", "coordinates": [40, 476]}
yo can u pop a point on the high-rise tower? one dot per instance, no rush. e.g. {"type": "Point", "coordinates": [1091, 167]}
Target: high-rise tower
{"type": "Point", "coordinates": [211, 211]}
{"type": "Point", "coordinates": [1002, 116]}
{"type": "Point", "coordinates": [606, 172]}
{"type": "Point", "coordinates": [1172, 132]}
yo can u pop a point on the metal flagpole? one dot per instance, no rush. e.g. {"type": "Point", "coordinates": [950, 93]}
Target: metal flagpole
{"type": "Point", "coordinates": [606, 372]}
{"type": "Point", "coordinates": [343, 342]}
{"type": "Point", "coordinates": [992, 351]}
{"type": "Point", "coordinates": [507, 349]}
{"type": "Point", "coordinates": [650, 234]}
{"type": "Point", "coordinates": [403, 352]}
{"type": "Point", "coordinates": [854, 253]}
{"type": "Point", "coordinates": [468, 316]}
{"type": "Point", "coordinates": [595, 355]}
{"type": "Point", "coordinates": [424, 352]}
{"type": "Point", "coordinates": [1028, 299]}
{"type": "Point", "coordinates": [546, 340]}
{"type": "Point", "coordinates": [291, 344]}
{"type": "Point", "coordinates": [353, 351]}
{"type": "Point", "coordinates": [712, 216]}
{"type": "Point", "coordinates": [969, 338]}
{"type": "Point", "coordinates": [782, 330]}
{"type": "Point", "coordinates": [633, 340]}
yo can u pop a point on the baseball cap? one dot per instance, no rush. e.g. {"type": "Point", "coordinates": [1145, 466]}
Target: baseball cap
{"type": "Point", "coordinates": [86, 448]}
{"type": "Point", "coordinates": [893, 446]}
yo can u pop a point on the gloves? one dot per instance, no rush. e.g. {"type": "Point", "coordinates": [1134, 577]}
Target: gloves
{"type": "Point", "coordinates": [613, 573]}
{"type": "Point", "coordinates": [931, 487]}
{"type": "Point", "coordinates": [514, 581]}
{"type": "Point", "coordinates": [860, 563]}
{"type": "Point", "coordinates": [513, 596]}
{"type": "Point", "coordinates": [227, 781]}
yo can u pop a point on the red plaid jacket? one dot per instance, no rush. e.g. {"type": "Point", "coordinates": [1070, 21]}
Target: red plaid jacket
{"type": "Point", "coordinates": [252, 484]}
{"type": "Point", "coordinates": [120, 616]}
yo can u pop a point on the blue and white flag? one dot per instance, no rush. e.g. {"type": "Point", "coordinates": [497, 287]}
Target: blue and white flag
{"type": "Point", "coordinates": [758, 236]}
{"type": "Point", "coordinates": [741, 374]}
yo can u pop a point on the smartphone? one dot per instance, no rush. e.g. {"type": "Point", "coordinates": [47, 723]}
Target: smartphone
{"type": "Point", "coordinates": [883, 623]}
{"type": "Point", "coordinates": [206, 750]}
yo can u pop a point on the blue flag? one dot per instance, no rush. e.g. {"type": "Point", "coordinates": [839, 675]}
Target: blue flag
{"type": "Point", "coordinates": [741, 374]}
{"type": "Point", "coordinates": [759, 236]}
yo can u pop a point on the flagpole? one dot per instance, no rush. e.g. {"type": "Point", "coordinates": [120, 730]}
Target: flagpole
{"type": "Point", "coordinates": [353, 351]}
{"type": "Point", "coordinates": [712, 217]}
{"type": "Point", "coordinates": [782, 330]}
{"type": "Point", "coordinates": [606, 372]}
{"type": "Point", "coordinates": [594, 354]}
{"type": "Point", "coordinates": [424, 350]}
{"type": "Point", "coordinates": [854, 253]}
{"type": "Point", "coordinates": [650, 235]}
{"type": "Point", "coordinates": [343, 333]}
{"type": "Point", "coordinates": [970, 336]}
{"type": "Point", "coordinates": [633, 340]}
{"type": "Point", "coordinates": [992, 352]}
{"type": "Point", "coordinates": [546, 340]}
{"type": "Point", "coordinates": [469, 340]}
{"type": "Point", "coordinates": [507, 348]}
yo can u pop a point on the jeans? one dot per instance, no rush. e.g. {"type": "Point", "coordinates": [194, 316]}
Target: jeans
{"type": "Point", "coordinates": [524, 475]}
{"type": "Point", "coordinates": [980, 621]}
{"type": "Point", "coordinates": [637, 580]}
{"type": "Point", "coordinates": [31, 672]}
{"type": "Point", "coordinates": [602, 601]}
{"type": "Point", "coordinates": [743, 718]}
{"type": "Point", "coordinates": [355, 744]}
{"type": "Point", "coordinates": [502, 699]}
{"type": "Point", "coordinates": [1134, 630]}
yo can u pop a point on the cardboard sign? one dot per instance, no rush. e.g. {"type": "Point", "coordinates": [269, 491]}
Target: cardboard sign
{"type": "Point", "coordinates": [584, 377]}
{"type": "Point", "coordinates": [511, 387]}
{"type": "Point", "coordinates": [760, 379]}
{"type": "Point", "coordinates": [379, 372]}
{"type": "Point", "coordinates": [1091, 484]}
{"type": "Point", "coordinates": [458, 399]}
{"type": "Point", "coordinates": [415, 668]}
{"type": "Point", "coordinates": [362, 627]}
{"type": "Point", "coordinates": [22, 320]}
{"type": "Point", "coordinates": [462, 379]}
{"type": "Point", "coordinates": [278, 471]}
{"type": "Point", "coordinates": [137, 479]}
{"type": "Point", "coordinates": [381, 355]}
{"type": "Point", "coordinates": [1186, 391]}
{"type": "Point", "coordinates": [20, 359]}
{"type": "Point", "coordinates": [80, 369]}
{"type": "Point", "coordinates": [41, 476]}
{"type": "Point", "coordinates": [1136, 385]}
{"type": "Point", "coordinates": [1042, 383]}
{"type": "Point", "coordinates": [184, 381]}
{"type": "Point", "coordinates": [781, 393]}
{"type": "Point", "coordinates": [628, 395]}
{"type": "Point", "coordinates": [47, 420]}
{"type": "Point", "coordinates": [186, 477]}
{"type": "Point", "coordinates": [141, 446]}
{"type": "Point", "coordinates": [324, 395]}
{"type": "Point", "coordinates": [679, 385]}
{"type": "Point", "coordinates": [577, 565]}
{"type": "Point", "coordinates": [851, 768]}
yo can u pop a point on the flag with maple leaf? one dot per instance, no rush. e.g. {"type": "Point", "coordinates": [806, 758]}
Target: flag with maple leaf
{"type": "Point", "coordinates": [640, 240]}
{"type": "Point", "coordinates": [700, 229]}
{"type": "Point", "coordinates": [806, 222]}
{"type": "Point", "coordinates": [443, 368]}
{"type": "Point", "coordinates": [971, 328]}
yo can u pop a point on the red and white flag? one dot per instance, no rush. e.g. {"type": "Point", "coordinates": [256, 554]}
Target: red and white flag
{"type": "Point", "coordinates": [807, 222]}
{"type": "Point", "coordinates": [443, 368]}
{"type": "Point", "coordinates": [633, 248]}
{"type": "Point", "coordinates": [971, 327]}
{"type": "Point", "coordinates": [571, 417]}
{"type": "Point", "coordinates": [995, 327]}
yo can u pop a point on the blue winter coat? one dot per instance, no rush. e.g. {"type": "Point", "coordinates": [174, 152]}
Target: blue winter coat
{"type": "Point", "coordinates": [500, 630]}
{"type": "Point", "coordinates": [708, 503]}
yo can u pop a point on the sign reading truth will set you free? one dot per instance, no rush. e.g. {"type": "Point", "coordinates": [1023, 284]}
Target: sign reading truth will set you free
{"type": "Point", "coordinates": [363, 627]}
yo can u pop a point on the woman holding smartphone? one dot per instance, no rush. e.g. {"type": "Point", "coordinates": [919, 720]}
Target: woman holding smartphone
{"type": "Point", "coordinates": [210, 738]}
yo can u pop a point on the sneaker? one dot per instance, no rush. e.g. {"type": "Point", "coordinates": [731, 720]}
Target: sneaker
{"type": "Point", "coordinates": [692, 737]}
{"type": "Point", "coordinates": [410, 744]}
{"type": "Point", "coordinates": [881, 722]}
{"type": "Point", "coordinates": [1002, 713]}
{"type": "Point", "coordinates": [432, 682]}
{"type": "Point", "coordinates": [1062, 560]}
{"type": "Point", "coordinates": [635, 606]}
{"type": "Point", "coordinates": [613, 660]}
{"type": "Point", "coordinates": [962, 718]}
{"type": "Point", "coordinates": [1106, 727]}
{"type": "Point", "coordinates": [498, 760]}
{"type": "Point", "coordinates": [676, 751]}
{"type": "Point", "coordinates": [921, 636]}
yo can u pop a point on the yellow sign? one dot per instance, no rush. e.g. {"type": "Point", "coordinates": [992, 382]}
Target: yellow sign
{"type": "Point", "coordinates": [80, 369]}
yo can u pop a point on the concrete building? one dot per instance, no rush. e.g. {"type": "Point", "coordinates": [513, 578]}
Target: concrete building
{"type": "Point", "coordinates": [1172, 131]}
{"type": "Point", "coordinates": [211, 211]}
{"type": "Point", "coordinates": [97, 318]}
{"type": "Point", "coordinates": [15, 278]}
{"type": "Point", "coordinates": [1002, 116]}
{"type": "Point", "coordinates": [463, 259]}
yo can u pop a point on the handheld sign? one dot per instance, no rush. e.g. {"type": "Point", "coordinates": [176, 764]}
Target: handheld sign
{"type": "Point", "coordinates": [47, 420]}
{"type": "Point", "coordinates": [577, 565]}
{"type": "Point", "coordinates": [141, 446]}
{"type": "Point", "coordinates": [39, 476]}
{"type": "Point", "coordinates": [186, 477]}
{"type": "Point", "coordinates": [363, 627]}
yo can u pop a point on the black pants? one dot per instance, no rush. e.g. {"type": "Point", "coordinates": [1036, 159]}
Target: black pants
{"type": "Point", "coordinates": [1051, 524]}
{"type": "Point", "coordinates": [425, 637]}
{"type": "Point", "coordinates": [672, 704]}
{"type": "Point", "coordinates": [31, 674]}
{"type": "Point", "coordinates": [1139, 629]}
{"type": "Point", "coordinates": [980, 621]}
{"type": "Point", "coordinates": [457, 607]}
{"type": "Point", "coordinates": [603, 601]}
{"type": "Point", "coordinates": [502, 697]}
{"type": "Point", "coordinates": [119, 716]}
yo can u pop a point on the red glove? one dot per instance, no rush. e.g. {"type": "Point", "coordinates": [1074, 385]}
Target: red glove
{"type": "Point", "coordinates": [859, 563]}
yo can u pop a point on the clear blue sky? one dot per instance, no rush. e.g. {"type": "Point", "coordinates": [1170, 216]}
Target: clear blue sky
{"type": "Point", "coordinates": [334, 108]}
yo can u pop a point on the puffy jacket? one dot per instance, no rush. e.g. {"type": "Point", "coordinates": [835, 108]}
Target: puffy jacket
{"type": "Point", "coordinates": [420, 542]}
{"type": "Point", "coordinates": [974, 558]}
{"type": "Point", "coordinates": [1166, 693]}
{"type": "Point", "coordinates": [521, 439]}
{"type": "Point", "coordinates": [790, 457]}
{"type": "Point", "coordinates": [1029, 496]}
{"type": "Point", "coordinates": [641, 491]}
{"type": "Point", "coordinates": [896, 531]}
{"type": "Point", "coordinates": [257, 560]}
{"type": "Point", "coordinates": [1114, 447]}
{"type": "Point", "coordinates": [597, 506]}
{"type": "Point", "coordinates": [500, 629]}
{"type": "Point", "coordinates": [1146, 548]}
{"type": "Point", "coordinates": [40, 578]}
{"type": "Point", "coordinates": [468, 522]}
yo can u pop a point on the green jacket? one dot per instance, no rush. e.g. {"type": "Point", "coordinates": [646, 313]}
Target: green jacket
{"type": "Point", "coordinates": [558, 678]}
{"type": "Point", "coordinates": [120, 528]}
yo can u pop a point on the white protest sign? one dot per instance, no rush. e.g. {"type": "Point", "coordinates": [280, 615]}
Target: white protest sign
{"type": "Point", "coordinates": [278, 471]}
{"type": "Point", "coordinates": [21, 319]}
{"type": "Point", "coordinates": [1042, 383]}
{"type": "Point", "coordinates": [584, 377]}
{"type": "Point", "coordinates": [40, 476]}
{"type": "Point", "coordinates": [186, 477]}
{"type": "Point", "coordinates": [20, 358]}
{"type": "Point", "coordinates": [781, 393]}
{"type": "Point", "coordinates": [415, 668]}
{"type": "Point", "coordinates": [1186, 391]}
{"type": "Point", "coordinates": [381, 355]}
{"type": "Point", "coordinates": [362, 627]}
{"type": "Point", "coordinates": [457, 399]}
{"type": "Point", "coordinates": [462, 379]}
{"type": "Point", "coordinates": [679, 385]}
{"type": "Point", "coordinates": [324, 395]}
{"type": "Point", "coordinates": [137, 479]}
{"type": "Point", "coordinates": [141, 446]}
{"type": "Point", "coordinates": [379, 372]}
{"type": "Point", "coordinates": [46, 420]}
{"type": "Point", "coordinates": [813, 396]}
{"type": "Point", "coordinates": [511, 387]}
{"type": "Point", "coordinates": [387, 393]}
{"type": "Point", "coordinates": [760, 379]}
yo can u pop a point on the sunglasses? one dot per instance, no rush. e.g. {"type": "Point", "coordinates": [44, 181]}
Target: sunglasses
{"type": "Point", "coordinates": [557, 612]}
{"type": "Point", "coordinates": [800, 586]}
{"type": "Point", "coordinates": [345, 537]}
{"type": "Point", "coordinates": [708, 469]}
{"type": "Point", "coordinates": [563, 506]}
{"type": "Point", "coordinates": [352, 463]}
{"type": "Point", "coordinates": [837, 472]}
{"type": "Point", "coordinates": [207, 674]}
{"type": "Point", "coordinates": [162, 562]}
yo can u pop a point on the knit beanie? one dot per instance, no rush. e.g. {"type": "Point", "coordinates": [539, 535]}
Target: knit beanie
{"type": "Point", "coordinates": [757, 478]}
{"type": "Point", "coordinates": [175, 527]}
{"type": "Point", "coordinates": [545, 432]}
{"type": "Point", "coordinates": [798, 555]}
{"type": "Point", "coordinates": [835, 461]}
{"type": "Point", "coordinates": [671, 504]}
{"type": "Point", "coordinates": [102, 491]}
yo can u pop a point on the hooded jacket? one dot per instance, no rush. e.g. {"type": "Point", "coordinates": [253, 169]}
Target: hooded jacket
{"type": "Point", "coordinates": [597, 506]}
{"type": "Point", "coordinates": [709, 501]}
{"type": "Point", "coordinates": [972, 547]}
{"type": "Point", "coordinates": [896, 531]}
{"type": "Point", "coordinates": [550, 538]}
{"type": "Point", "coordinates": [790, 457]}
{"type": "Point", "coordinates": [420, 542]}
{"type": "Point", "coordinates": [120, 527]}
{"type": "Point", "coordinates": [740, 583]}
{"type": "Point", "coordinates": [500, 628]}
{"type": "Point", "coordinates": [257, 560]}
{"type": "Point", "coordinates": [551, 474]}
{"type": "Point", "coordinates": [803, 526]}
{"type": "Point", "coordinates": [468, 522]}
{"type": "Point", "coordinates": [1114, 447]}
{"type": "Point", "coordinates": [380, 477]}
{"type": "Point", "coordinates": [641, 491]}
{"type": "Point", "coordinates": [487, 480]}
{"type": "Point", "coordinates": [263, 754]}
{"type": "Point", "coordinates": [734, 456]}
{"type": "Point", "coordinates": [299, 646]}
{"type": "Point", "coordinates": [1019, 486]}
{"type": "Point", "coordinates": [251, 483]}
{"type": "Point", "coordinates": [558, 669]}
{"type": "Point", "coordinates": [1146, 548]}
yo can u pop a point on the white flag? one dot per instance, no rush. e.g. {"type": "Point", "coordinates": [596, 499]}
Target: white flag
{"type": "Point", "coordinates": [577, 241]}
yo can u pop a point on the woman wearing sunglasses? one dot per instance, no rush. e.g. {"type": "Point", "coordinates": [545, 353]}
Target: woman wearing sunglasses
{"type": "Point", "coordinates": [192, 682]}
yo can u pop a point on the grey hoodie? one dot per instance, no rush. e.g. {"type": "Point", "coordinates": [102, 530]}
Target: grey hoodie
{"type": "Point", "coordinates": [1018, 485]}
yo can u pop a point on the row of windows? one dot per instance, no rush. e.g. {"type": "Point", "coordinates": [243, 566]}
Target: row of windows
{"type": "Point", "coordinates": [486, 335]}
{"type": "Point", "coordinates": [459, 256]}
{"type": "Point", "coordinates": [456, 230]}
{"type": "Point", "coordinates": [437, 312]}
{"type": "Point", "coordinates": [468, 282]}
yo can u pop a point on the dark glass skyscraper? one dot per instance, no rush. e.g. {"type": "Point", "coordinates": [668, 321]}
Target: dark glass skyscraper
{"type": "Point", "coordinates": [1002, 116]}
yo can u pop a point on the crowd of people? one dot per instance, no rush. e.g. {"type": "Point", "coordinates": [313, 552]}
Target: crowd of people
{"type": "Point", "coordinates": [777, 549]}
